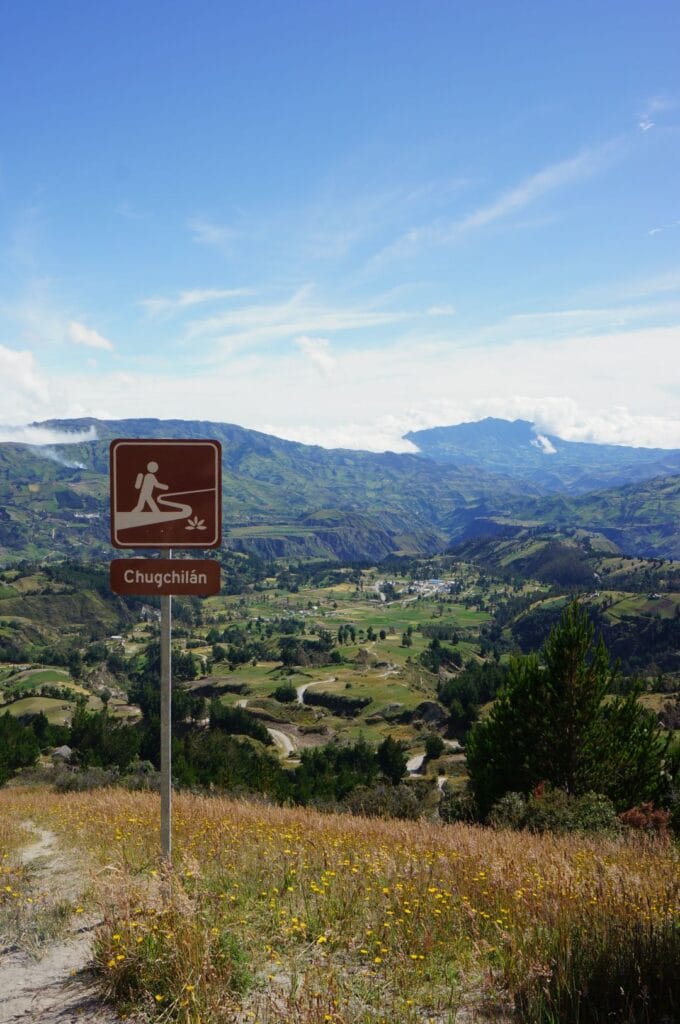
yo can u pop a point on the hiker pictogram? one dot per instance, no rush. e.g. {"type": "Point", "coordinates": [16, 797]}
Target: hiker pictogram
{"type": "Point", "coordinates": [147, 512]}
{"type": "Point", "coordinates": [146, 483]}
{"type": "Point", "coordinates": [165, 493]}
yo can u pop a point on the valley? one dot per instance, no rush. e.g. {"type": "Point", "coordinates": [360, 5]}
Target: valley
{"type": "Point", "coordinates": [322, 654]}
{"type": "Point", "coordinates": [342, 848]}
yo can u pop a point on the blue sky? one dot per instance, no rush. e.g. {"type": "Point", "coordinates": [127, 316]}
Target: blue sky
{"type": "Point", "coordinates": [337, 221]}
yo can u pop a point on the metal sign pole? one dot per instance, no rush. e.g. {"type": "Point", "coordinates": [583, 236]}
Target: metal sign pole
{"type": "Point", "coordinates": [166, 725]}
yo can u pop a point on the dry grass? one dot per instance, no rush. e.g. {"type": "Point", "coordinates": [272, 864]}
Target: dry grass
{"type": "Point", "coordinates": [277, 915]}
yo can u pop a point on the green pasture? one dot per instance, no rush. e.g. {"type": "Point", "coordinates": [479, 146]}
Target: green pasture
{"type": "Point", "coordinates": [346, 680]}
{"type": "Point", "coordinates": [33, 677]}
{"type": "Point", "coordinates": [57, 712]}
{"type": "Point", "coordinates": [525, 551]}
{"type": "Point", "coordinates": [641, 604]}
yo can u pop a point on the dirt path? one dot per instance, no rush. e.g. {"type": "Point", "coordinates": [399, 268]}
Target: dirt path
{"type": "Point", "coordinates": [302, 690]}
{"type": "Point", "coordinates": [282, 741]}
{"type": "Point", "coordinates": [415, 763]}
{"type": "Point", "coordinates": [52, 985]}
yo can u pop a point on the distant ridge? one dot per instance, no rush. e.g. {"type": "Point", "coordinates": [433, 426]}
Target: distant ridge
{"type": "Point", "coordinates": [284, 499]}
{"type": "Point", "coordinates": [519, 450]}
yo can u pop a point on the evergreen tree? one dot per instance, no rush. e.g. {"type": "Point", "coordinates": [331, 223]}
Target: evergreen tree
{"type": "Point", "coordinates": [551, 724]}
{"type": "Point", "coordinates": [392, 759]}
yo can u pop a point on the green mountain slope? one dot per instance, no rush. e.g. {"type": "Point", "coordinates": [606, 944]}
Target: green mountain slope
{"type": "Point", "coordinates": [280, 498]}
{"type": "Point", "coordinates": [639, 519]}
{"type": "Point", "coordinates": [284, 499]}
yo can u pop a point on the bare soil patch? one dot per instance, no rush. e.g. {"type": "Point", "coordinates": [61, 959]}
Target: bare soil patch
{"type": "Point", "coordinates": [44, 961]}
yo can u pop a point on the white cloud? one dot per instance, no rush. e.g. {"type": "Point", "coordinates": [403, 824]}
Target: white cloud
{"type": "Point", "coordinates": [129, 211]}
{"type": "Point", "coordinates": [30, 394]}
{"type": "Point", "coordinates": [580, 387]}
{"type": "Point", "coordinates": [318, 351]}
{"type": "Point", "coordinates": [569, 321]}
{"type": "Point", "coordinates": [664, 227]}
{"type": "Point", "coordinates": [24, 389]}
{"type": "Point", "coordinates": [645, 125]}
{"type": "Point", "coordinates": [441, 311]}
{"type": "Point", "coordinates": [577, 168]}
{"type": "Point", "coordinates": [45, 435]}
{"type": "Point", "coordinates": [635, 288]}
{"type": "Point", "coordinates": [380, 435]}
{"type": "Point", "coordinates": [299, 315]}
{"type": "Point", "coordinates": [544, 444]}
{"type": "Point", "coordinates": [192, 297]}
{"type": "Point", "coordinates": [657, 105]}
{"type": "Point", "coordinates": [206, 233]}
{"type": "Point", "coordinates": [79, 334]}
{"type": "Point", "coordinates": [567, 172]}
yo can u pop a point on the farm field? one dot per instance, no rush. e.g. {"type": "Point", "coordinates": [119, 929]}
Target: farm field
{"type": "Point", "coordinates": [391, 616]}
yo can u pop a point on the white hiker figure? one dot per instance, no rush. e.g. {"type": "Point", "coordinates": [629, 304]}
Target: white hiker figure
{"type": "Point", "coordinates": [146, 484]}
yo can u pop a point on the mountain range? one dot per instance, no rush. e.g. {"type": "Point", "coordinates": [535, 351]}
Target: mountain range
{"type": "Point", "coordinates": [521, 451]}
{"type": "Point", "coordinates": [286, 499]}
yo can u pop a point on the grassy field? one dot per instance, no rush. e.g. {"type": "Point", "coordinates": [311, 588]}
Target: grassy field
{"type": "Point", "coordinates": [641, 604]}
{"type": "Point", "coordinates": [276, 915]}
{"type": "Point", "coordinates": [17, 696]}
{"type": "Point", "coordinates": [57, 712]}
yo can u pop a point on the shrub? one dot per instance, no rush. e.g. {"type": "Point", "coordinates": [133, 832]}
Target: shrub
{"type": "Point", "coordinates": [285, 694]}
{"type": "Point", "coordinates": [645, 816]}
{"type": "Point", "coordinates": [67, 780]}
{"type": "Point", "coordinates": [455, 806]}
{"type": "Point", "coordinates": [347, 707]}
{"type": "Point", "coordinates": [383, 801]}
{"type": "Point", "coordinates": [509, 812]}
{"type": "Point", "coordinates": [434, 746]}
{"type": "Point", "coordinates": [141, 775]}
{"type": "Point", "coordinates": [553, 810]}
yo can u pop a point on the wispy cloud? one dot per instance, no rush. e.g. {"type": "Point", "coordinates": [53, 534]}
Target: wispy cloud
{"type": "Point", "coordinates": [129, 211]}
{"type": "Point", "coordinates": [664, 227]}
{"type": "Point", "coordinates": [555, 176]}
{"type": "Point", "coordinates": [334, 224]}
{"type": "Point", "coordinates": [654, 106]}
{"type": "Point", "coordinates": [300, 315]}
{"type": "Point", "coordinates": [596, 317]}
{"type": "Point", "coordinates": [193, 297]}
{"type": "Point", "coordinates": [318, 351]}
{"type": "Point", "coordinates": [636, 288]}
{"type": "Point", "coordinates": [205, 232]}
{"type": "Point", "coordinates": [79, 334]}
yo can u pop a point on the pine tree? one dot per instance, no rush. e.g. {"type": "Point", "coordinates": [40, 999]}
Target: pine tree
{"type": "Point", "coordinates": [551, 724]}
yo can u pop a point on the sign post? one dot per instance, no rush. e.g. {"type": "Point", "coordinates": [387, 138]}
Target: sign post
{"type": "Point", "coordinates": [166, 725]}
{"type": "Point", "coordinates": [147, 476]}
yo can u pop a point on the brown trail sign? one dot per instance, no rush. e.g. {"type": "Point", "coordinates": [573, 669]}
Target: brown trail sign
{"type": "Point", "coordinates": [166, 494]}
